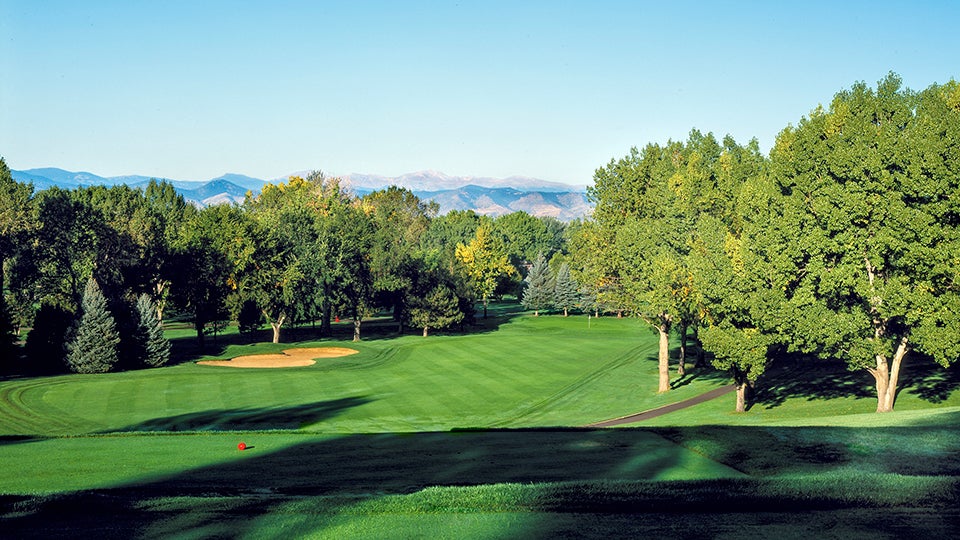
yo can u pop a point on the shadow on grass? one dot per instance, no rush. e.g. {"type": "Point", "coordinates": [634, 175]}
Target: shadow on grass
{"type": "Point", "coordinates": [250, 419]}
{"type": "Point", "coordinates": [811, 379]}
{"type": "Point", "coordinates": [306, 487]}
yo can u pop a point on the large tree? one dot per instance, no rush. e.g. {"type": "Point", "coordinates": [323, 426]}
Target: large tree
{"type": "Point", "coordinates": [399, 219]}
{"type": "Point", "coordinates": [486, 261]}
{"type": "Point", "coordinates": [647, 206]}
{"type": "Point", "coordinates": [207, 273]}
{"type": "Point", "coordinates": [863, 236]}
{"type": "Point", "coordinates": [15, 226]}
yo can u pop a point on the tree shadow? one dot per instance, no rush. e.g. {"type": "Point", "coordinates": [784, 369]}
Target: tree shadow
{"type": "Point", "coordinates": [794, 376]}
{"type": "Point", "coordinates": [249, 419]}
{"type": "Point", "coordinates": [922, 376]}
{"type": "Point", "coordinates": [306, 487]}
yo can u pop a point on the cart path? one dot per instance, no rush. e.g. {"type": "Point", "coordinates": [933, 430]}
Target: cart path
{"type": "Point", "coordinates": [659, 411]}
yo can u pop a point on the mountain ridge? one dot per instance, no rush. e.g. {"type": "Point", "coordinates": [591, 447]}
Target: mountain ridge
{"type": "Point", "coordinates": [484, 195]}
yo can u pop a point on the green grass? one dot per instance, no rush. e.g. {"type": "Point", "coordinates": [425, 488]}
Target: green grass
{"type": "Point", "coordinates": [472, 436]}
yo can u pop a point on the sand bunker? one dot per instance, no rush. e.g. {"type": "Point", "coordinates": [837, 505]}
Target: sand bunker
{"type": "Point", "coordinates": [288, 358]}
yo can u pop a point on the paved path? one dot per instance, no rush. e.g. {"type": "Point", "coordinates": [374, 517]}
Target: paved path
{"type": "Point", "coordinates": [653, 413]}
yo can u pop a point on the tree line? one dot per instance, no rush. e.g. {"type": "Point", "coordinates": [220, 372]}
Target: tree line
{"type": "Point", "coordinates": [299, 251]}
{"type": "Point", "coordinates": [843, 243]}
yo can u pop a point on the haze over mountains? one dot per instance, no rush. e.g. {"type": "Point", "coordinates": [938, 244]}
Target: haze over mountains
{"type": "Point", "coordinates": [483, 195]}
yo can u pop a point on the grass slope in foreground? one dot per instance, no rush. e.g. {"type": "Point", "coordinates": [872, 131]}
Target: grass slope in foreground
{"type": "Point", "coordinates": [361, 447]}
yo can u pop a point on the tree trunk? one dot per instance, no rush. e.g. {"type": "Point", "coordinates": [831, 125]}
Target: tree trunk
{"type": "Point", "coordinates": [199, 325]}
{"type": "Point", "coordinates": [325, 328]}
{"type": "Point", "coordinates": [664, 357]}
{"type": "Point", "coordinates": [681, 365]}
{"type": "Point", "coordinates": [887, 376]}
{"type": "Point", "coordinates": [159, 288]}
{"type": "Point", "coordinates": [356, 328]}
{"type": "Point", "coordinates": [565, 312]}
{"type": "Point", "coordinates": [485, 307]}
{"type": "Point", "coordinates": [742, 387]}
{"type": "Point", "coordinates": [276, 325]}
{"type": "Point", "coordinates": [424, 331]}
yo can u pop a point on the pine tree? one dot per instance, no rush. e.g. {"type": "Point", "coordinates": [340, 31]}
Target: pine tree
{"type": "Point", "coordinates": [565, 295]}
{"type": "Point", "coordinates": [155, 347]}
{"type": "Point", "coordinates": [538, 289]}
{"type": "Point", "coordinates": [94, 338]}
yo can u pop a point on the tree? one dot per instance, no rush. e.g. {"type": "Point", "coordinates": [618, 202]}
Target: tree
{"type": "Point", "coordinates": [206, 273]}
{"type": "Point", "coordinates": [565, 292]}
{"type": "Point", "coordinates": [538, 291]}
{"type": "Point", "coordinates": [863, 234]}
{"type": "Point", "coordinates": [485, 261]}
{"type": "Point", "coordinates": [155, 348]}
{"type": "Point", "coordinates": [15, 226]}
{"type": "Point", "coordinates": [399, 219]}
{"type": "Point", "coordinates": [432, 300]}
{"type": "Point", "coordinates": [732, 295]}
{"type": "Point", "coordinates": [92, 347]}
{"type": "Point", "coordinates": [46, 343]}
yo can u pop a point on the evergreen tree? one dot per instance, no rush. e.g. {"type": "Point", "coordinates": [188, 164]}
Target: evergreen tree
{"type": "Point", "coordinates": [154, 346]}
{"type": "Point", "coordinates": [538, 286]}
{"type": "Point", "coordinates": [565, 295]}
{"type": "Point", "coordinates": [94, 339]}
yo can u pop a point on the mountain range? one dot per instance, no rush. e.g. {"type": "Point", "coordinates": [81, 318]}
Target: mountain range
{"type": "Point", "coordinates": [483, 195]}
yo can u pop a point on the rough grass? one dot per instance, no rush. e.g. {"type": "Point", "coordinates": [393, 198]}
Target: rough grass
{"type": "Point", "coordinates": [369, 446]}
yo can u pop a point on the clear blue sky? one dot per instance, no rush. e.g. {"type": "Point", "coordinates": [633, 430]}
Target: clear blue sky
{"type": "Point", "coordinates": [554, 90]}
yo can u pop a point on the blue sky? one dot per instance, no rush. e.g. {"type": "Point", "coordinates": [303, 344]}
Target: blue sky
{"type": "Point", "coordinates": [553, 90]}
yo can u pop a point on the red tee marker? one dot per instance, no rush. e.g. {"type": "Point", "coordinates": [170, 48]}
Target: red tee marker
{"type": "Point", "coordinates": [242, 446]}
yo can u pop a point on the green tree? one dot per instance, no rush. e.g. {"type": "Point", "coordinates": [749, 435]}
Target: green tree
{"type": "Point", "coordinates": [92, 347]}
{"type": "Point", "coordinates": [862, 236]}
{"type": "Point", "coordinates": [45, 348]}
{"type": "Point", "coordinates": [538, 290]}
{"type": "Point", "coordinates": [155, 348]}
{"type": "Point", "coordinates": [433, 300]}
{"type": "Point", "coordinates": [399, 219]}
{"type": "Point", "coordinates": [485, 261]}
{"type": "Point", "coordinates": [565, 293]}
{"type": "Point", "coordinates": [207, 273]}
{"type": "Point", "coordinates": [15, 226]}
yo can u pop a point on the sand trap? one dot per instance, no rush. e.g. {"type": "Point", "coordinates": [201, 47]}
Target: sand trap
{"type": "Point", "coordinates": [288, 358]}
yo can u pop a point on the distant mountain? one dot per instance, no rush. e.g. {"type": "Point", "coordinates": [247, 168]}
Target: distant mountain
{"type": "Point", "coordinates": [488, 196]}
{"type": "Point", "coordinates": [564, 206]}
{"type": "Point", "coordinates": [438, 181]}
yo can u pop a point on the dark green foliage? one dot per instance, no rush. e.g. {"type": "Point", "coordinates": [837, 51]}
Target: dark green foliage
{"type": "Point", "coordinates": [438, 308]}
{"type": "Point", "coordinates": [565, 295]}
{"type": "Point", "coordinates": [249, 318]}
{"type": "Point", "coordinates": [9, 350]}
{"type": "Point", "coordinates": [45, 347]}
{"type": "Point", "coordinates": [92, 347]}
{"type": "Point", "coordinates": [538, 286]}
{"type": "Point", "coordinates": [149, 333]}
